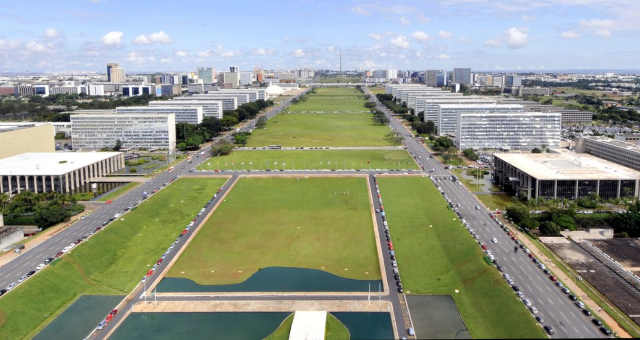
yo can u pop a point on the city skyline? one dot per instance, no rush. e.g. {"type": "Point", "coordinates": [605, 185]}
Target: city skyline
{"type": "Point", "coordinates": [486, 35]}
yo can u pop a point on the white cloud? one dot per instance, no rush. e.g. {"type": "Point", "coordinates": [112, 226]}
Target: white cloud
{"type": "Point", "coordinates": [516, 38]}
{"type": "Point", "coordinates": [205, 53]}
{"type": "Point", "coordinates": [153, 38]}
{"type": "Point", "coordinates": [135, 57]}
{"type": "Point", "coordinates": [368, 64]}
{"type": "Point", "coordinates": [420, 35]}
{"type": "Point", "coordinates": [182, 53]}
{"type": "Point", "coordinates": [570, 35]}
{"type": "Point", "coordinates": [331, 49]}
{"type": "Point", "coordinates": [400, 41]}
{"type": "Point", "coordinates": [227, 54]}
{"type": "Point", "coordinates": [492, 43]}
{"type": "Point", "coordinates": [599, 27]}
{"type": "Point", "coordinates": [359, 10]}
{"type": "Point", "coordinates": [375, 36]}
{"type": "Point", "coordinates": [443, 57]}
{"type": "Point", "coordinates": [260, 51]}
{"type": "Point", "coordinates": [298, 53]}
{"type": "Point", "coordinates": [112, 38]}
{"type": "Point", "coordinates": [33, 46]}
{"type": "Point", "coordinates": [165, 60]}
{"type": "Point", "coordinates": [445, 34]}
{"type": "Point", "coordinates": [404, 21]}
{"type": "Point", "coordinates": [51, 33]}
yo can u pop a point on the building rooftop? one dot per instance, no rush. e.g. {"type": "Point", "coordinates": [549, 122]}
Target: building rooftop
{"type": "Point", "coordinates": [568, 166]}
{"type": "Point", "coordinates": [632, 147]}
{"type": "Point", "coordinates": [49, 163]}
{"type": "Point", "coordinates": [480, 106]}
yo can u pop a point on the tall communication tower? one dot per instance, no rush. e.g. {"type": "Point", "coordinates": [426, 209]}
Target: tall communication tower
{"type": "Point", "coordinates": [340, 59]}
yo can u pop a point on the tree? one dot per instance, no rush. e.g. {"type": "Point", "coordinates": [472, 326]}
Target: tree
{"type": "Point", "coordinates": [442, 143]}
{"type": "Point", "coordinates": [370, 105]}
{"type": "Point", "coordinates": [241, 138]}
{"type": "Point", "coordinates": [548, 228]}
{"type": "Point", "coordinates": [536, 150]}
{"type": "Point", "coordinates": [221, 149]}
{"type": "Point", "coordinates": [261, 123]}
{"type": "Point", "coordinates": [470, 154]}
{"type": "Point", "coordinates": [118, 145]}
{"type": "Point", "coordinates": [518, 213]}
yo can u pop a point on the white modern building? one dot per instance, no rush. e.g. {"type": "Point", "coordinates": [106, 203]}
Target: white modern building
{"type": "Point", "coordinates": [448, 114]}
{"type": "Point", "coordinates": [508, 130]}
{"type": "Point", "coordinates": [210, 108]}
{"type": "Point", "coordinates": [411, 96]}
{"type": "Point", "coordinates": [429, 105]}
{"type": "Point", "coordinates": [62, 172]}
{"type": "Point", "coordinates": [228, 102]}
{"type": "Point", "coordinates": [184, 114]}
{"type": "Point", "coordinates": [617, 151]}
{"type": "Point", "coordinates": [135, 131]}
{"type": "Point", "coordinates": [241, 98]}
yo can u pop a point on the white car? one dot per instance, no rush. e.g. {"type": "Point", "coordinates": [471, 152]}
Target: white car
{"type": "Point", "coordinates": [40, 266]}
{"type": "Point", "coordinates": [494, 240]}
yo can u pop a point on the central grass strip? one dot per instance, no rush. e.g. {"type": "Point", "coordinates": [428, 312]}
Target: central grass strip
{"type": "Point", "coordinates": [311, 159]}
{"type": "Point", "coordinates": [110, 263]}
{"type": "Point", "coordinates": [318, 222]}
{"type": "Point", "coordinates": [328, 117]}
{"type": "Point", "coordinates": [436, 255]}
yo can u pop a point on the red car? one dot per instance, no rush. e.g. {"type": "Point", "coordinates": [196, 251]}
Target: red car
{"type": "Point", "coordinates": [184, 232]}
{"type": "Point", "coordinates": [108, 318]}
{"type": "Point", "coordinates": [483, 247]}
{"type": "Point", "coordinates": [114, 312]}
{"type": "Point", "coordinates": [59, 254]}
{"type": "Point", "coordinates": [553, 278]}
{"type": "Point", "coordinates": [159, 261]}
{"type": "Point", "coordinates": [150, 272]}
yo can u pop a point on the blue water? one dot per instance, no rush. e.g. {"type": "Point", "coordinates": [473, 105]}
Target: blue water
{"type": "Point", "coordinates": [196, 326]}
{"type": "Point", "coordinates": [80, 317]}
{"type": "Point", "coordinates": [367, 326]}
{"type": "Point", "coordinates": [277, 279]}
{"type": "Point", "coordinates": [239, 325]}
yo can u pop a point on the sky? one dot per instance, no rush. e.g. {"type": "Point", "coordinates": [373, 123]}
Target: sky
{"type": "Point", "coordinates": [147, 36]}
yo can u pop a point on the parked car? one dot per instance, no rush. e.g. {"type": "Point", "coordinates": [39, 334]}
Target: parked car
{"type": "Point", "coordinates": [549, 330]}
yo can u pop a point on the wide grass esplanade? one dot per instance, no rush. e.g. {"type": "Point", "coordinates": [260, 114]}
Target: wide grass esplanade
{"type": "Point", "coordinates": [321, 223]}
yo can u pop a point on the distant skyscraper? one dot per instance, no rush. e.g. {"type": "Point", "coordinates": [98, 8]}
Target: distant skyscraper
{"type": "Point", "coordinates": [206, 74]}
{"type": "Point", "coordinates": [115, 73]}
{"type": "Point", "coordinates": [431, 77]}
{"type": "Point", "coordinates": [234, 69]}
{"type": "Point", "coordinates": [512, 80]}
{"type": "Point", "coordinates": [462, 76]}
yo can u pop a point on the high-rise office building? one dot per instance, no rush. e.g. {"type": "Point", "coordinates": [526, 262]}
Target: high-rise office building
{"type": "Point", "coordinates": [115, 73]}
{"type": "Point", "coordinates": [462, 76]}
{"type": "Point", "coordinates": [431, 77]}
{"type": "Point", "coordinates": [206, 74]}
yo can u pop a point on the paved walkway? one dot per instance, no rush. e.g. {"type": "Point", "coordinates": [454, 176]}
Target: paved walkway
{"type": "Point", "coordinates": [250, 305]}
{"type": "Point", "coordinates": [120, 179]}
{"type": "Point", "coordinates": [308, 325]}
{"type": "Point", "coordinates": [316, 148]}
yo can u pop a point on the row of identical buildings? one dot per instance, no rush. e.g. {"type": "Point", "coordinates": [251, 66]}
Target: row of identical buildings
{"type": "Point", "coordinates": [599, 166]}
{"type": "Point", "coordinates": [153, 127]}
{"type": "Point", "coordinates": [480, 122]}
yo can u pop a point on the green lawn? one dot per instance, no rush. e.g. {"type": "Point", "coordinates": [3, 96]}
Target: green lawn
{"type": "Point", "coordinates": [287, 222]}
{"type": "Point", "coordinates": [111, 262]}
{"type": "Point", "coordinates": [335, 330]}
{"type": "Point", "coordinates": [329, 117]}
{"type": "Point", "coordinates": [311, 159]}
{"type": "Point", "coordinates": [497, 201]}
{"type": "Point", "coordinates": [436, 255]}
{"type": "Point", "coordinates": [118, 192]}
{"type": "Point", "coordinates": [331, 100]}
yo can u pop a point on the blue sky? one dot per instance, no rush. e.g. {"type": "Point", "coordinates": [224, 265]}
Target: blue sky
{"type": "Point", "coordinates": [83, 35]}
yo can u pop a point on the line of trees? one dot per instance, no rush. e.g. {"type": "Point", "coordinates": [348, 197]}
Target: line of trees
{"type": "Point", "coordinates": [42, 209]}
{"type": "Point", "coordinates": [551, 222]}
{"type": "Point", "coordinates": [387, 100]}
{"type": "Point", "coordinates": [190, 137]}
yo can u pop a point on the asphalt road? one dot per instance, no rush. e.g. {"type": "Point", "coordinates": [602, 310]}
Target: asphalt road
{"type": "Point", "coordinates": [31, 258]}
{"type": "Point", "coordinates": [556, 309]}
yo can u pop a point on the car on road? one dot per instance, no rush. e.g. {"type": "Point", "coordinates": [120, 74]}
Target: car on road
{"type": "Point", "coordinates": [605, 330]}
{"type": "Point", "coordinates": [597, 322]}
{"type": "Point", "coordinates": [40, 266]}
{"type": "Point", "coordinates": [549, 330]}
{"type": "Point", "coordinates": [539, 319]}
{"type": "Point", "coordinates": [494, 240]}
{"type": "Point", "coordinates": [586, 312]}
